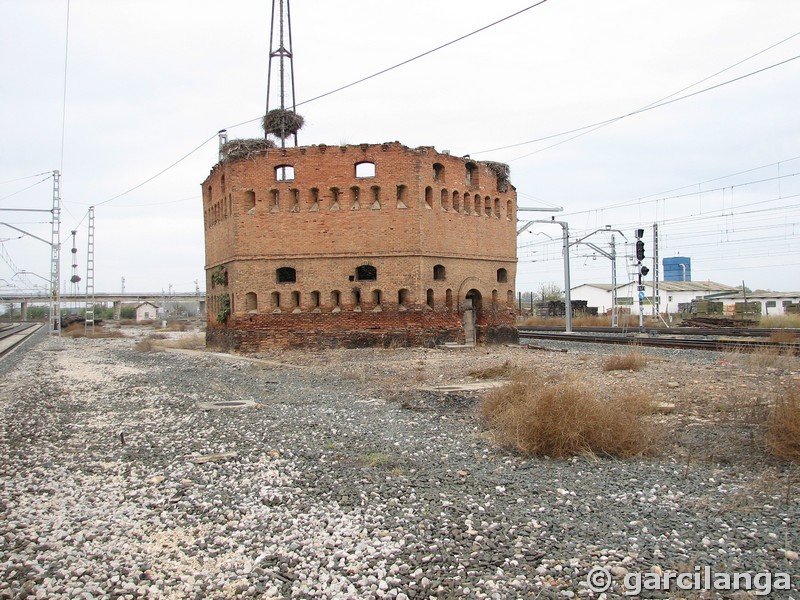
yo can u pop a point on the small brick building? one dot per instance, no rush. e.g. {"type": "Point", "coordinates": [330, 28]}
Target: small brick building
{"type": "Point", "coordinates": [358, 245]}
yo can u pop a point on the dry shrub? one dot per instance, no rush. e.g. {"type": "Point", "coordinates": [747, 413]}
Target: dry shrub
{"type": "Point", "coordinates": [632, 360]}
{"type": "Point", "coordinates": [777, 321]}
{"type": "Point", "coordinates": [496, 372]}
{"type": "Point", "coordinates": [783, 425]}
{"type": "Point", "coordinates": [188, 342]}
{"type": "Point", "coordinates": [175, 326]}
{"type": "Point", "coordinates": [783, 336]}
{"type": "Point", "coordinates": [762, 358]}
{"type": "Point", "coordinates": [146, 345]}
{"type": "Point", "coordinates": [157, 342]}
{"type": "Point", "coordinates": [79, 330]}
{"type": "Point", "coordinates": [547, 416]}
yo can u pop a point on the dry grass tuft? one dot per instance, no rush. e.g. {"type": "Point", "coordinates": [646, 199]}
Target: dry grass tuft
{"type": "Point", "coordinates": [783, 336]}
{"type": "Point", "coordinates": [175, 326]}
{"type": "Point", "coordinates": [546, 416]}
{"type": "Point", "coordinates": [783, 425]}
{"type": "Point", "coordinates": [505, 370]}
{"type": "Point", "coordinates": [78, 330]}
{"type": "Point", "coordinates": [776, 358]}
{"type": "Point", "coordinates": [776, 321]}
{"type": "Point", "coordinates": [188, 342]}
{"type": "Point", "coordinates": [632, 360]}
{"type": "Point", "coordinates": [158, 342]}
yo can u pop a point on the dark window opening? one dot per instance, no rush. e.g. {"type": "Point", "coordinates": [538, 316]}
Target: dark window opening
{"type": "Point", "coordinates": [376, 297]}
{"type": "Point", "coordinates": [249, 200]}
{"type": "Point", "coordinates": [376, 197]}
{"type": "Point", "coordinates": [445, 200]}
{"type": "Point", "coordinates": [286, 275]}
{"type": "Point", "coordinates": [438, 172]}
{"type": "Point", "coordinates": [456, 202]}
{"type": "Point", "coordinates": [402, 196]}
{"type": "Point", "coordinates": [366, 273]}
{"type": "Point", "coordinates": [336, 298]}
{"type": "Point", "coordinates": [429, 297]}
{"type": "Point", "coordinates": [356, 296]}
{"type": "Point", "coordinates": [471, 174]}
{"type": "Point", "coordinates": [276, 300]}
{"type": "Point", "coordinates": [439, 272]}
{"type": "Point", "coordinates": [502, 276]}
{"type": "Point", "coordinates": [428, 197]}
{"type": "Point", "coordinates": [314, 299]}
{"type": "Point", "coordinates": [295, 299]}
{"type": "Point", "coordinates": [402, 297]}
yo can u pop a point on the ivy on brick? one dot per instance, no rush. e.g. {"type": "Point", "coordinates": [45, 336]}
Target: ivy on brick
{"type": "Point", "coordinates": [224, 309]}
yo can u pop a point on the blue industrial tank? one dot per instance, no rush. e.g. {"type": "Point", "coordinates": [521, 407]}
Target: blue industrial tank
{"type": "Point", "coordinates": [678, 268]}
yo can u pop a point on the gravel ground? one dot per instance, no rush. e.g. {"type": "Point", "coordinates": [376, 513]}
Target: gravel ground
{"type": "Point", "coordinates": [335, 476]}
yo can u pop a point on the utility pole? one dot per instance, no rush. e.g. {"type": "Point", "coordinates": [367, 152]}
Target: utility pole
{"type": "Point", "coordinates": [55, 257]}
{"type": "Point", "coordinates": [565, 247]}
{"type": "Point", "coordinates": [656, 295]}
{"type": "Point", "coordinates": [89, 311]}
{"type": "Point", "coordinates": [611, 255]}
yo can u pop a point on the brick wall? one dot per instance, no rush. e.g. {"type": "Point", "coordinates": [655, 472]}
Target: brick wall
{"type": "Point", "coordinates": [313, 210]}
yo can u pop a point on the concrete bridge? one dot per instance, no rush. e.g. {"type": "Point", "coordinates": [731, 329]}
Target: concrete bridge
{"type": "Point", "coordinates": [117, 300]}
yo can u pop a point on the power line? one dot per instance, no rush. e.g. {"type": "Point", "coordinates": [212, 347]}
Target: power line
{"type": "Point", "coordinates": [405, 62]}
{"type": "Point", "coordinates": [344, 87]}
{"type": "Point", "coordinates": [64, 95]}
{"type": "Point", "coordinates": [418, 56]}
{"type": "Point", "coordinates": [591, 127]}
{"type": "Point", "coordinates": [26, 177]}
{"type": "Point", "coordinates": [26, 188]}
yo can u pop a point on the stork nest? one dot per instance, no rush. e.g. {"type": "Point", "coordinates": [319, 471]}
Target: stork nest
{"type": "Point", "coordinates": [503, 172]}
{"type": "Point", "coordinates": [282, 123]}
{"type": "Point", "coordinates": [245, 148]}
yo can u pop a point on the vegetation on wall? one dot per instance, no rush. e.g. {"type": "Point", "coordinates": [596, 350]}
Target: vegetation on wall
{"type": "Point", "coordinates": [219, 276]}
{"type": "Point", "coordinates": [224, 308]}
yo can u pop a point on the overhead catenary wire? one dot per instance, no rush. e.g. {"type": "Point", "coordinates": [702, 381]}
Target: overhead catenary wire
{"type": "Point", "coordinates": [649, 107]}
{"type": "Point", "coordinates": [349, 85]}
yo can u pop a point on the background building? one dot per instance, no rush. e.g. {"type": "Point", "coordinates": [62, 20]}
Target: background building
{"type": "Point", "coordinates": [678, 268]}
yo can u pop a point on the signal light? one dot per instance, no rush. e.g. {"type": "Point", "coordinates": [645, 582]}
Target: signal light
{"type": "Point", "coordinates": [639, 250]}
{"type": "Point", "coordinates": [639, 234]}
{"type": "Point", "coordinates": [644, 271]}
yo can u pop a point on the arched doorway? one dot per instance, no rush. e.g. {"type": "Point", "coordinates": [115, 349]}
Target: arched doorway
{"type": "Point", "coordinates": [472, 306]}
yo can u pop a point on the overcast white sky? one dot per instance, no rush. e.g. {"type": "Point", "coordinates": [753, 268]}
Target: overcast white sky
{"type": "Point", "coordinates": [148, 81]}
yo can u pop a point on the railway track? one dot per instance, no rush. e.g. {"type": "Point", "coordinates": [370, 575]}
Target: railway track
{"type": "Point", "coordinates": [13, 334]}
{"type": "Point", "coordinates": [719, 343]}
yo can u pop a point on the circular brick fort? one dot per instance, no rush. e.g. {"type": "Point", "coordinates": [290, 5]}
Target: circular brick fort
{"type": "Point", "coordinates": [358, 245]}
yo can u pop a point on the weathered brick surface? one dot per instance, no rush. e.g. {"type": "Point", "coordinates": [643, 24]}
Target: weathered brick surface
{"type": "Point", "coordinates": [326, 221]}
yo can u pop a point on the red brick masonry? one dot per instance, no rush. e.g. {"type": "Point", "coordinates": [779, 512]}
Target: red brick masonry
{"type": "Point", "coordinates": [370, 244]}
